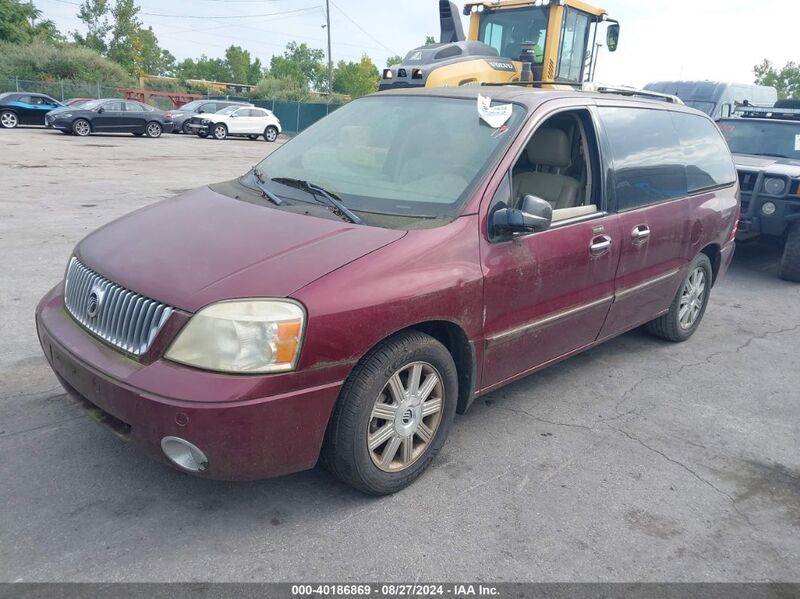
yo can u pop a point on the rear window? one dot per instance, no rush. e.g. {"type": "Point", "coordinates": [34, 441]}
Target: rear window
{"type": "Point", "coordinates": [708, 160]}
{"type": "Point", "coordinates": [648, 157]}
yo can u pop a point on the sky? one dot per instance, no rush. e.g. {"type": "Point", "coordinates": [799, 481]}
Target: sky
{"type": "Point", "coordinates": [660, 39]}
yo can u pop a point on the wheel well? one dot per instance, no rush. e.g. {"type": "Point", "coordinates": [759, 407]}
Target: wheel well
{"type": "Point", "coordinates": [714, 254]}
{"type": "Point", "coordinates": [455, 340]}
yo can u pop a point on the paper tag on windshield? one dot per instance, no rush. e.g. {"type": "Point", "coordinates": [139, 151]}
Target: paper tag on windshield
{"type": "Point", "coordinates": [797, 143]}
{"type": "Point", "coordinates": [495, 116]}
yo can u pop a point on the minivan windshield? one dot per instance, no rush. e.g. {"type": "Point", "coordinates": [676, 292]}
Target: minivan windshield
{"type": "Point", "coordinates": [412, 156]}
{"type": "Point", "coordinates": [761, 137]}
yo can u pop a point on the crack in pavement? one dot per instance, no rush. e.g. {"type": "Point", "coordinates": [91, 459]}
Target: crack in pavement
{"type": "Point", "coordinates": [707, 360]}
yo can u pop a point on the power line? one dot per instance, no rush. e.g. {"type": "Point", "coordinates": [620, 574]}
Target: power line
{"type": "Point", "coordinates": [213, 17]}
{"type": "Point", "coordinates": [364, 31]}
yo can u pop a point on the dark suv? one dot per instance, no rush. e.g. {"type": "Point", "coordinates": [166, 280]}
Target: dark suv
{"type": "Point", "coordinates": [370, 278]}
{"type": "Point", "coordinates": [766, 147]}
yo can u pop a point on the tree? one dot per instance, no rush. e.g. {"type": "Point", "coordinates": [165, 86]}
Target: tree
{"type": "Point", "coordinates": [239, 64]}
{"type": "Point", "coordinates": [210, 69]}
{"type": "Point", "coordinates": [356, 79]}
{"type": "Point", "coordinates": [150, 58]}
{"type": "Point", "coordinates": [18, 23]}
{"type": "Point", "coordinates": [123, 47]}
{"type": "Point", "coordinates": [94, 15]}
{"type": "Point", "coordinates": [429, 39]}
{"type": "Point", "coordinates": [302, 64]}
{"type": "Point", "coordinates": [785, 80]}
{"type": "Point", "coordinates": [393, 60]}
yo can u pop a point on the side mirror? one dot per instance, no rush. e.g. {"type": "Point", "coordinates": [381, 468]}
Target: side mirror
{"type": "Point", "coordinates": [201, 111]}
{"type": "Point", "coordinates": [101, 109]}
{"type": "Point", "coordinates": [535, 215]}
{"type": "Point", "coordinates": [612, 37]}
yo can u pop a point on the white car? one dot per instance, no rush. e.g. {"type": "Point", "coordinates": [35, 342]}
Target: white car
{"type": "Point", "coordinates": [246, 121]}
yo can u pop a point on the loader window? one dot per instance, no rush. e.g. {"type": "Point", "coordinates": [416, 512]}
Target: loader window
{"type": "Point", "coordinates": [572, 54]}
{"type": "Point", "coordinates": [506, 30]}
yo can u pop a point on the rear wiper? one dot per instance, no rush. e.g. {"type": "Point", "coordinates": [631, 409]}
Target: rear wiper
{"type": "Point", "coordinates": [261, 183]}
{"type": "Point", "coordinates": [335, 204]}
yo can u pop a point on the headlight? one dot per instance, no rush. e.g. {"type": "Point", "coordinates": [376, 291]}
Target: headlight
{"type": "Point", "coordinates": [774, 186]}
{"type": "Point", "coordinates": [242, 336]}
{"type": "Point", "coordinates": [62, 115]}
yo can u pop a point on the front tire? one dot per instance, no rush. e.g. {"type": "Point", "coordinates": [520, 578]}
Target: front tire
{"type": "Point", "coordinates": [689, 305]}
{"type": "Point", "coordinates": [81, 128]}
{"type": "Point", "coordinates": [220, 132]}
{"type": "Point", "coordinates": [270, 133]}
{"type": "Point", "coordinates": [789, 268]}
{"type": "Point", "coordinates": [8, 119]}
{"type": "Point", "coordinates": [393, 414]}
{"type": "Point", "coordinates": [153, 129]}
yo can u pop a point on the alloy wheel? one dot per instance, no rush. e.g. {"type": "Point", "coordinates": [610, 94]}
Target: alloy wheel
{"type": "Point", "coordinates": [81, 128]}
{"type": "Point", "coordinates": [271, 134]}
{"type": "Point", "coordinates": [153, 130]}
{"type": "Point", "coordinates": [405, 417]}
{"type": "Point", "coordinates": [9, 120]}
{"type": "Point", "coordinates": [692, 298]}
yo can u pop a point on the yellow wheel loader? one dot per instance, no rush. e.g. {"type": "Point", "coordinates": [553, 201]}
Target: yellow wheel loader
{"type": "Point", "coordinates": [544, 41]}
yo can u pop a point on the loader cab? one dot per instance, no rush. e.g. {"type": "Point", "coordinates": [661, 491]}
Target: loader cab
{"type": "Point", "coordinates": [564, 34]}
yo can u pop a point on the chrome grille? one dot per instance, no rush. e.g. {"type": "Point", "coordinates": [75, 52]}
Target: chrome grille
{"type": "Point", "coordinates": [124, 319]}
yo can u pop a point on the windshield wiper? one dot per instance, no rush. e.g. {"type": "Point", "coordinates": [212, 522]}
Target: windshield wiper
{"type": "Point", "coordinates": [335, 204]}
{"type": "Point", "coordinates": [261, 184]}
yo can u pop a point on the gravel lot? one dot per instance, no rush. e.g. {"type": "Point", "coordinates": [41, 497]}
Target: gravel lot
{"type": "Point", "coordinates": [638, 460]}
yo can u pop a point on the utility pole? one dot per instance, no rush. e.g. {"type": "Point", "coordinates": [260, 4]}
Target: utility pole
{"type": "Point", "coordinates": [330, 60]}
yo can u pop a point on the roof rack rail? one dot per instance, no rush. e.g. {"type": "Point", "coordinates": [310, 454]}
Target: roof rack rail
{"type": "Point", "coordinates": [597, 88]}
{"type": "Point", "coordinates": [767, 112]}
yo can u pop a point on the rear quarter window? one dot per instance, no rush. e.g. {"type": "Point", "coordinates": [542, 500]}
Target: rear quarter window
{"type": "Point", "coordinates": [708, 160]}
{"type": "Point", "coordinates": [648, 158]}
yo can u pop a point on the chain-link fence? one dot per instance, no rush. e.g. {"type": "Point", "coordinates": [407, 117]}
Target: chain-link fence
{"type": "Point", "coordinates": [60, 90]}
{"type": "Point", "coordinates": [294, 116]}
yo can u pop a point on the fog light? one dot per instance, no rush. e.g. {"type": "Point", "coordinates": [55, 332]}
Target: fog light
{"type": "Point", "coordinates": [183, 454]}
{"type": "Point", "coordinates": [768, 208]}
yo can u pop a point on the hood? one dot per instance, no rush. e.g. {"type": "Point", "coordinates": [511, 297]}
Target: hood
{"type": "Point", "coordinates": [202, 247]}
{"type": "Point", "coordinates": [773, 165]}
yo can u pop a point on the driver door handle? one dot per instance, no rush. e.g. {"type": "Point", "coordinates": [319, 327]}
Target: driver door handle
{"type": "Point", "coordinates": [640, 232]}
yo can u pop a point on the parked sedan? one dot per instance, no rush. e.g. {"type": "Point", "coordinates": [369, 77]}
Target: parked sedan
{"type": "Point", "coordinates": [23, 108]}
{"type": "Point", "coordinates": [182, 116]}
{"type": "Point", "coordinates": [110, 116]}
{"type": "Point", "coordinates": [242, 121]}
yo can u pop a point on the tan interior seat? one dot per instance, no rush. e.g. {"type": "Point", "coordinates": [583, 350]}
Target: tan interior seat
{"type": "Point", "coordinates": [549, 147]}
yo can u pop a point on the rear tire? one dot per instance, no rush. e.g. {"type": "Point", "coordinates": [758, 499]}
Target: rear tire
{"type": "Point", "coordinates": [393, 414]}
{"type": "Point", "coordinates": [153, 129]}
{"type": "Point", "coordinates": [8, 119]}
{"type": "Point", "coordinates": [689, 305]}
{"type": "Point", "coordinates": [270, 133]}
{"type": "Point", "coordinates": [219, 132]}
{"type": "Point", "coordinates": [81, 127]}
{"type": "Point", "coordinates": [186, 129]}
{"type": "Point", "coordinates": [202, 134]}
{"type": "Point", "coordinates": [789, 269]}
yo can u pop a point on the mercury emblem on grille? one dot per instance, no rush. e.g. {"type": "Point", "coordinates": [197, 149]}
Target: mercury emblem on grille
{"type": "Point", "coordinates": [94, 301]}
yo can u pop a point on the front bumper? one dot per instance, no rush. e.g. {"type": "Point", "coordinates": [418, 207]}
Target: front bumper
{"type": "Point", "coordinates": [199, 128]}
{"type": "Point", "coordinates": [249, 427]}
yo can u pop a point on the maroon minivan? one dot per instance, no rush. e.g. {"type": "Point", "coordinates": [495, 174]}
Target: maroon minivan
{"type": "Point", "coordinates": [373, 276]}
